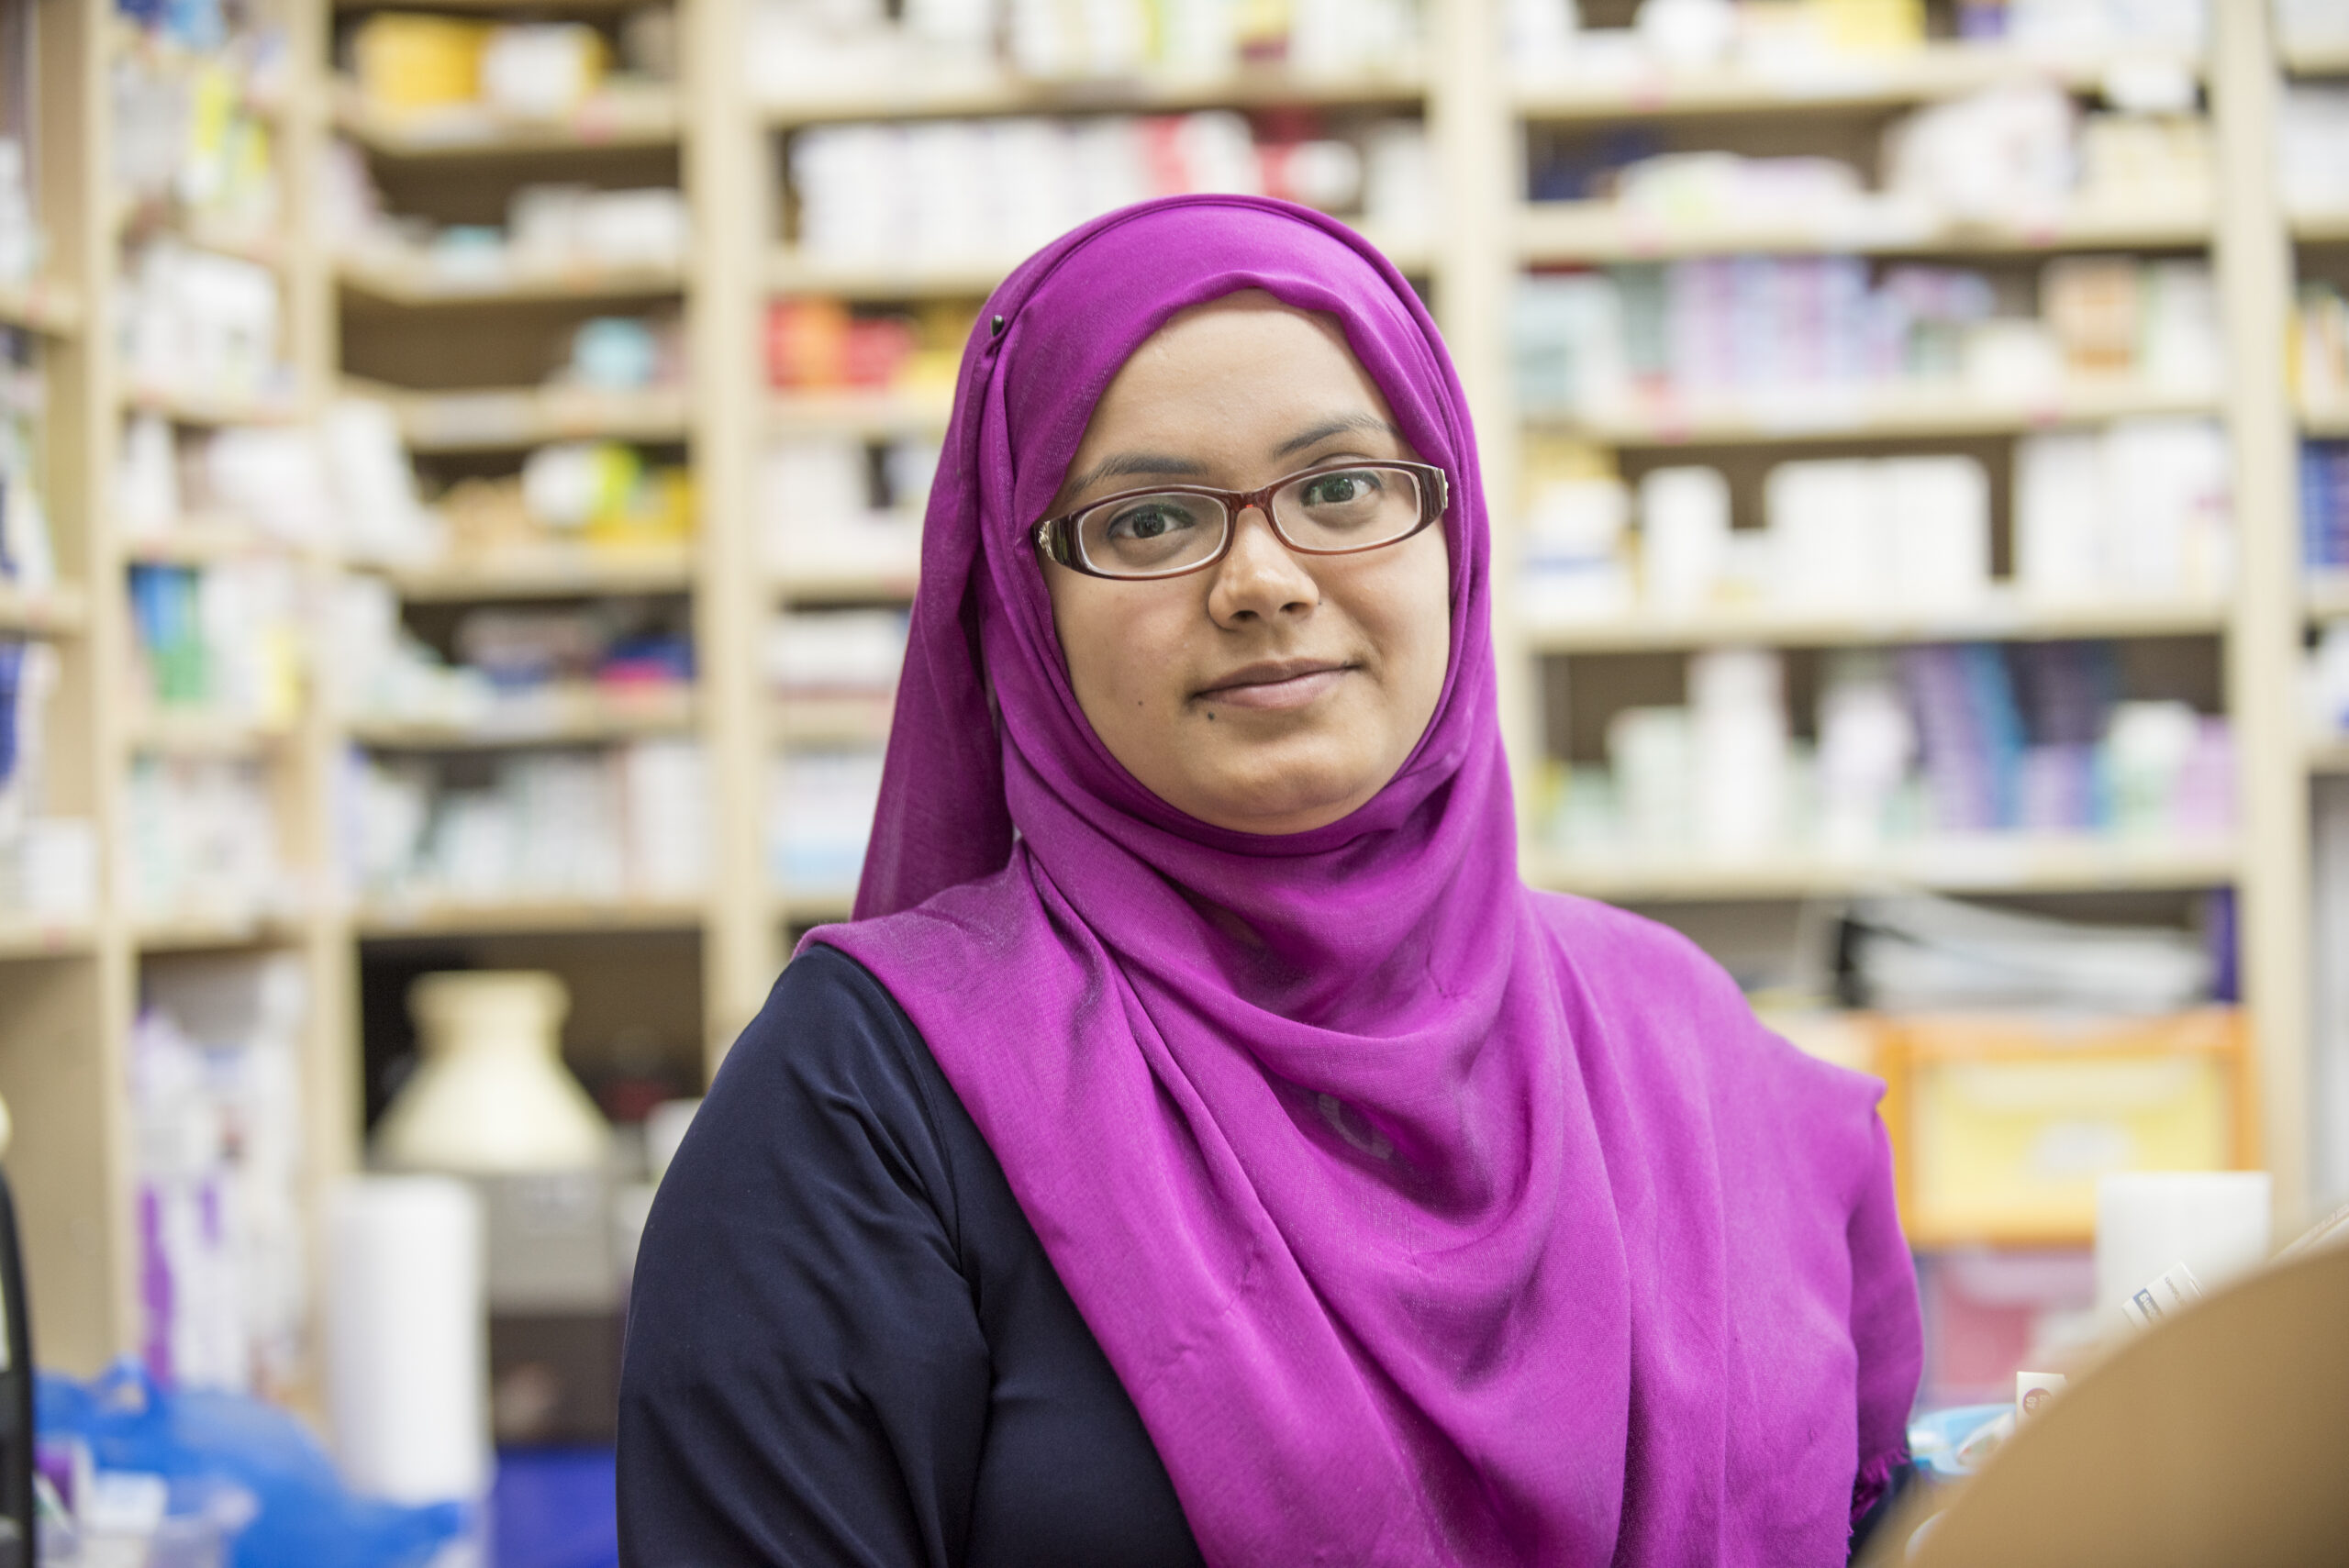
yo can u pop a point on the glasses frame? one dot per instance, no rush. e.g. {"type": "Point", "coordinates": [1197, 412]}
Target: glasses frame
{"type": "Point", "coordinates": [1056, 537]}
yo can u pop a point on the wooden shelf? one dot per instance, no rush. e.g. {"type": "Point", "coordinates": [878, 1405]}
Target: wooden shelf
{"type": "Point", "coordinates": [193, 933]}
{"type": "Point", "coordinates": [194, 541]}
{"type": "Point", "coordinates": [2325, 422]}
{"type": "Point", "coordinates": [623, 115]}
{"type": "Point", "coordinates": [2333, 59]}
{"type": "Point", "coordinates": [790, 273]}
{"type": "Point", "coordinates": [987, 94]}
{"type": "Point", "coordinates": [183, 407]}
{"type": "Point", "coordinates": [815, 906]}
{"type": "Point", "coordinates": [28, 937]}
{"type": "Point", "coordinates": [42, 306]}
{"type": "Point", "coordinates": [203, 735]}
{"type": "Point", "coordinates": [512, 418]}
{"type": "Point", "coordinates": [2327, 594]}
{"type": "Point", "coordinates": [1869, 413]}
{"type": "Point", "coordinates": [1852, 82]}
{"type": "Point", "coordinates": [1979, 863]}
{"type": "Point", "coordinates": [585, 719]}
{"type": "Point", "coordinates": [414, 282]}
{"type": "Point", "coordinates": [60, 611]}
{"type": "Point", "coordinates": [2330, 756]}
{"type": "Point", "coordinates": [2322, 228]}
{"type": "Point", "coordinates": [384, 920]}
{"type": "Point", "coordinates": [857, 413]}
{"type": "Point", "coordinates": [544, 575]}
{"type": "Point", "coordinates": [857, 721]}
{"type": "Point", "coordinates": [1588, 232]}
{"type": "Point", "coordinates": [2006, 618]}
{"type": "Point", "coordinates": [862, 587]}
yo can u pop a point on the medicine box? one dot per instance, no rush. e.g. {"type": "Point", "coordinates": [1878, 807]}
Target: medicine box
{"type": "Point", "coordinates": [2001, 1123]}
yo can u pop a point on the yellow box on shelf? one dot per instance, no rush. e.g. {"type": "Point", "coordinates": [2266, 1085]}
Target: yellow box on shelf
{"type": "Point", "coordinates": [2001, 1123]}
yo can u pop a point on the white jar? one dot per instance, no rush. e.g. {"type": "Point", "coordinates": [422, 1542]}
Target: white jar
{"type": "Point", "coordinates": [492, 1096]}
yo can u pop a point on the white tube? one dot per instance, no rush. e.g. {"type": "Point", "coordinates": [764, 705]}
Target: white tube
{"type": "Point", "coordinates": [406, 1332]}
{"type": "Point", "coordinates": [2148, 1222]}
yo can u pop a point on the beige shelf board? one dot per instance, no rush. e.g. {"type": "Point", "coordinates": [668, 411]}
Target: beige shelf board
{"type": "Point", "coordinates": [618, 117]}
{"type": "Point", "coordinates": [848, 720]}
{"type": "Point", "coordinates": [2004, 618]}
{"type": "Point", "coordinates": [2326, 228]}
{"type": "Point", "coordinates": [790, 273]}
{"type": "Point", "coordinates": [859, 586]}
{"type": "Point", "coordinates": [1884, 413]}
{"type": "Point", "coordinates": [203, 735]}
{"type": "Point", "coordinates": [2323, 60]}
{"type": "Point", "coordinates": [189, 406]}
{"type": "Point", "coordinates": [856, 413]}
{"type": "Point", "coordinates": [2327, 593]}
{"type": "Point", "coordinates": [59, 611]}
{"type": "Point", "coordinates": [544, 575]}
{"type": "Point", "coordinates": [533, 916]}
{"type": "Point", "coordinates": [187, 933]}
{"type": "Point", "coordinates": [194, 541]}
{"type": "Point", "coordinates": [510, 419]}
{"type": "Point", "coordinates": [913, 97]}
{"type": "Point", "coordinates": [41, 305]}
{"type": "Point", "coordinates": [2325, 421]}
{"type": "Point", "coordinates": [35, 937]}
{"type": "Point", "coordinates": [815, 906]}
{"type": "Point", "coordinates": [562, 723]}
{"type": "Point", "coordinates": [416, 283]}
{"type": "Point", "coordinates": [1922, 75]}
{"type": "Point", "coordinates": [1582, 233]}
{"type": "Point", "coordinates": [2330, 756]}
{"type": "Point", "coordinates": [1973, 863]}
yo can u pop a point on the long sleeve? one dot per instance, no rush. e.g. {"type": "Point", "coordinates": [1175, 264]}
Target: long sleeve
{"type": "Point", "coordinates": [806, 1381]}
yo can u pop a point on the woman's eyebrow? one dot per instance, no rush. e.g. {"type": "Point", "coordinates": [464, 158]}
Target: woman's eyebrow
{"type": "Point", "coordinates": [1151, 463]}
{"type": "Point", "coordinates": [1337, 427]}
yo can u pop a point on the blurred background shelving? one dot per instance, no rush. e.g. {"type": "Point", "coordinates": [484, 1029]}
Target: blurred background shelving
{"type": "Point", "coordinates": [480, 507]}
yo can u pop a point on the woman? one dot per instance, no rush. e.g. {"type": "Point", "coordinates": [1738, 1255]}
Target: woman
{"type": "Point", "coordinates": [1202, 1146]}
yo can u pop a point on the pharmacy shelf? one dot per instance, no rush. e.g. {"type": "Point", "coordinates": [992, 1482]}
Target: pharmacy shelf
{"type": "Point", "coordinates": [209, 409]}
{"type": "Point", "coordinates": [619, 116]}
{"type": "Point", "coordinates": [203, 735]}
{"type": "Point", "coordinates": [491, 7]}
{"type": "Point", "coordinates": [790, 273]}
{"type": "Point", "coordinates": [1869, 413]}
{"type": "Point", "coordinates": [59, 611]}
{"type": "Point", "coordinates": [1581, 233]}
{"type": "Point", "coordinates": [544, 575]}
{"type": "Point", "coordinates": [851, 413]}
{"type": "Point", "coordinates": [28, 936]}
{"type": "Point", "coordinates": [135, 224]}
{"type": "Point", "coordinates": [2329, 59]}
{"type": "Point", "coordinates": [571, 720]}
{"type": "Point", "coordinates": [198, 932]}
{"type": "Point", "coordinates": [833, 720]}
{"type": "Point", "coordinates": [2330, 756]}
{"type": "Point", "coordinates": [864, 586]}
{"type": "Point", "coordinates": [2327, 594]}
{"type": "Point", "coordinates": [982, 93]}
{"type": "Point", "coordinates": [2325, 422]}
{"type": "Point", "coordinates": [199, 540]}
{"type": "Point", "coordinates": [511, 418]}
{"type": "Point", "coordinates": [41, 305]}
{"type": "Point", "coordinates": [814, 907]}
{"type": "Point", "coordinates": [387, 921]}
{"type": "Point", "coordinates": [2322, 228]}
{"type": "Point", "coordinates": [1856, 82]}
{"type": "Point", "coordinates": [1991, 863]}
{"type": "Point", "coordinates": [2003, 618]}
{"type": "Point", "coordinates": [416, 283]}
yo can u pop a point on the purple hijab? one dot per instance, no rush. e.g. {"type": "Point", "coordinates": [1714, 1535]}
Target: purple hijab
{"type": "Point", "coordinates": [1426, 1219]}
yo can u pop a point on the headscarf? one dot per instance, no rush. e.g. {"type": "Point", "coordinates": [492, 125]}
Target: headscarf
{"type": "Point", "coordinates": [1399, 1196]}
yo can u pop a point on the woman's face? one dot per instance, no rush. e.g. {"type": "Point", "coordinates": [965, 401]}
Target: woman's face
{"type": "Point", "coordinates": [1270, 692]}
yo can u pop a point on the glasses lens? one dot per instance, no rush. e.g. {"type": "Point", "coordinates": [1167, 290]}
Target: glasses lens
{"type": "Point", "coordinates": [1143, 536]}
{"type": "Point", "coordinates": [1348, 508]}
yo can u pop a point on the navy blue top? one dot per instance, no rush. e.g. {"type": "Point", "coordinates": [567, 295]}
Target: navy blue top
{"type": "Point", "coordinates": [845, 1344]}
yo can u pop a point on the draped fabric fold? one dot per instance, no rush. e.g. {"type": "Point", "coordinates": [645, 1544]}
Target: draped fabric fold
{"type": "Point", "coordinates": [1426, 1218]}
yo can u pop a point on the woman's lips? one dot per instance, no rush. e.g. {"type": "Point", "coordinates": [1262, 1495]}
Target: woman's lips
{"type": "Point", "coordinates": [1274, 693]}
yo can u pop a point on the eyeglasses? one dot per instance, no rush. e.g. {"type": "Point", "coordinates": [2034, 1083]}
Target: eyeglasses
{"type": "Point", "coordinates": [1339, 508]}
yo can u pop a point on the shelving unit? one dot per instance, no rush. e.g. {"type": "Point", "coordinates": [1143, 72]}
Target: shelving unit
{"type": "Point", "coordinates": [68, 988]}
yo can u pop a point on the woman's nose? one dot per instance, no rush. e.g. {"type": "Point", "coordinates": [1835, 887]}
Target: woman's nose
{"type": "Point", "coordinates": [1260, 579]}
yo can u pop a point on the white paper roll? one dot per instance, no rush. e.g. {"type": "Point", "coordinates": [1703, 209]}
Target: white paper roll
{"type": "Point", "coordinates": [2148, 1222]}
{"type": "Point", "coordinates": [406, 1332]}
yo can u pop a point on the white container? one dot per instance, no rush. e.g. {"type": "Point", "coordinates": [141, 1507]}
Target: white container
{"type": "Point", "coordinates": [2148, 1222]}
{"type": "Point", "coordinates": [492, 1096]}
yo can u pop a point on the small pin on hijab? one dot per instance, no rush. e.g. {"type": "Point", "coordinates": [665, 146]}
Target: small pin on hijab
{"type": "Point", "coordinates": [995, 327]}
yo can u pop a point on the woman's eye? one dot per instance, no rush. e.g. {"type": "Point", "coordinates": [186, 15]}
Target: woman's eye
{"type": "Point", "coordinates": [1339, 489]}
{"type": "Point", "coordinates": [1146, 523]}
